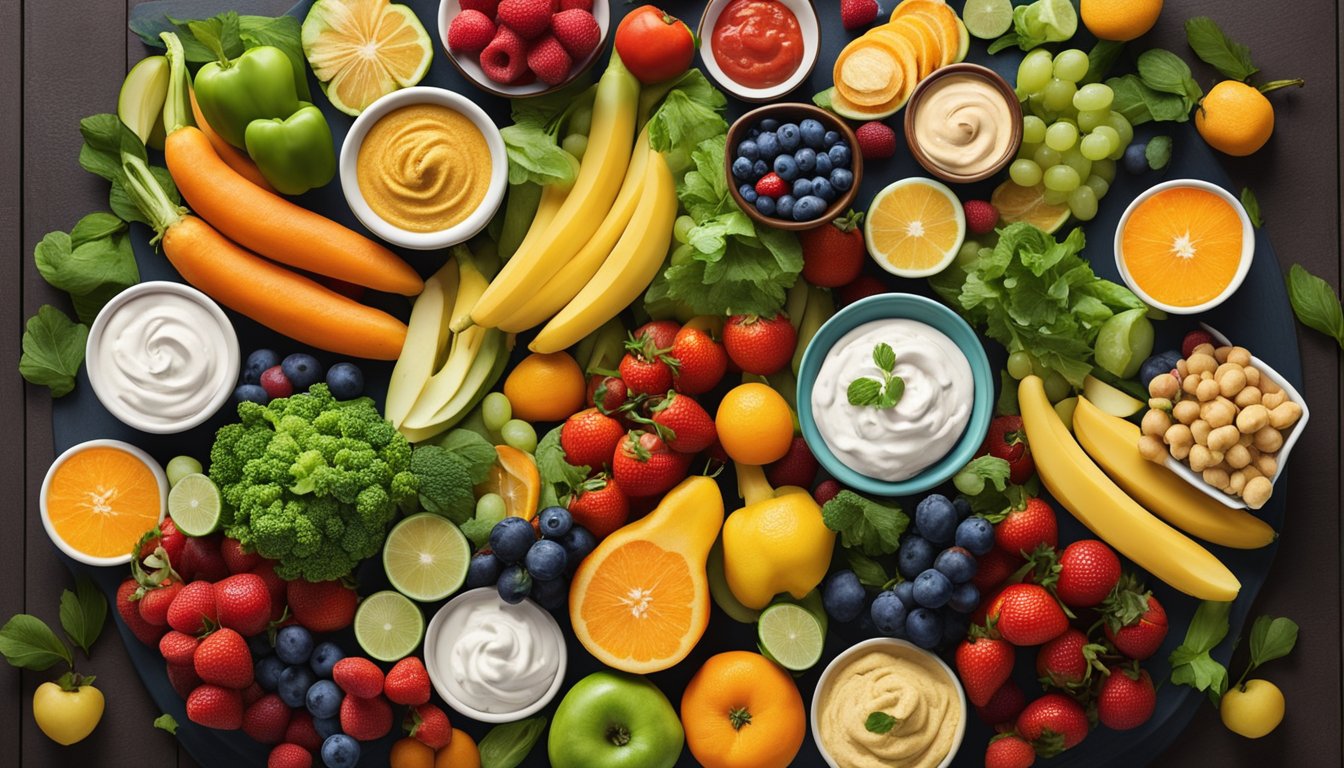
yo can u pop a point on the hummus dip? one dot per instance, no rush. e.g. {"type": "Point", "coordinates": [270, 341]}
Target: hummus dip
{"type": "Point", "coordinates": [910, 686]}
{"type": "Point", "coordinates": [424, 167]}
{"type": "Point", "coordinates": [963, 124]}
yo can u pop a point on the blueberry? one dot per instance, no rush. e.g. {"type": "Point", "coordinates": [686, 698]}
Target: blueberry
{"type": "Point", "coordinates": [753, 132]}
{"type": "Point", "coordinates": [767, 145]}
{"type": "Point", "coordinates": [786, 167]}
{"type": "Point", "coordinates": [1136, 159]}
{"type": "Point", "coordinates": [841, 178]}
{"type": "Point", "coordinates": [957, 564]}
{"type": "Point", "coordinates": [843, 596]}
{"type": "Point", "coordinates": [345, 380]}
{"type": "Point", "coordinates": [965, 597]}
{"type": "Point", "coordinates": [302, 370]}
{"type": "Point", "coordinates": [257, 362]}
{"type": "Point", "coordinates": [766, 205]}
{"type": "Point", "coordinates": [340, 751]}
{"type": "Point", "coordinates": [554, 522]}
{"type": "Point", "coordinates": [759, 169]}
{"type": "Point", "coordinates": [976, 534]}
{"type": "Point", "coordinates": [578, 544]}
{"type": "Point", "coordinates": [748, 193]}
{"type": "Point", "coordinates": [251, 393]}
{"type": "Point", "coordinates": [784, 206]}
{"type": "Point", "coordinates": [821, 187]}
{"type": "Point", "coordinates": [806, 159]}
{"type": "Point", "coordinates": [742, 168]}
{"type": "Point", "coordinates": [268, 672]}
{"type": "Point", "coordinates": [749, 150]}
{"type": "Point", "coordinates": [814, 133]}
{"type": "Point", "coordinates": [324, 699]}
{"type": "Point", "coordinates": [293, 644]}
{"type": "Point", "coordinates": [260, 646]}
{"type": "Point", "coordinates": [915, 556]}
{"type": "Point", "coordinates": [925, 627]}
{"type": "Point", "coordinates": [514, 584]}
{"type": "Point", "coordinates": [936, 519]}
{"type": "Point", "coordinates": [808, 208]}
{"type": "Point", "coordinates": [294, 684]}
{"type": "Point", "coordinates": [906, 592]}
{"type": "Point", "coordinates": [802, 188]}
{"type": "Point", "coordinates": [324, 657]}
{"type": "Point", "coordinates": [830, 139]}
{"type": "Point", "coordinates": [769, 124]}
{"type": "Point", "coordinates": [552, 595]}
{"type": "Point", "coordinates": [326, 726]}
{"type": "Point", "coordinates": [955, 626]}
{"type": "Point", "coordinates": [546, 560]}
{"type": "Point", "coordinates": [963, 506]}
{"type": "Point", "coordinates": [1154, 366]}
{"type": "Point", "coordinates": [483, 570]}
{"type": "Point", "coordinates": [932, 589]}
{"type": "Point", "coordinates": [511, 538]}
{"type": "Point", "coordinates": [790, 138]}
{"type": "Point", "coordinates": [839, 155]}
{"type": "Point", "coordinates": [889, 614]}
{"type": "Point", "coordinates": [823, 164]}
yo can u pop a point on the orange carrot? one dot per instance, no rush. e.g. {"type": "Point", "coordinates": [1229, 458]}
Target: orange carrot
{"type": "Point", "coordinates": [234, 157]}
{"type": "Point", "coordinates": [274, 227]}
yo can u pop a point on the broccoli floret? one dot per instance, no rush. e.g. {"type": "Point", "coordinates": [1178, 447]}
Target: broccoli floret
{"type": "Point", "coordinates": [445, 483]}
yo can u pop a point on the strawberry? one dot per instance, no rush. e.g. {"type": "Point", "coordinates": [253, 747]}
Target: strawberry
{"type": "Point", "coordinates": [589, 438]}
{"type": "Point", "coordinates": [1004, 706]}
{"type": "Point", "coordinates": [223, 659]}
{"type": "Point", "coordinates": [322, 606]}
{"type": "Point", "coordinates": [215, 707]}
{"type": "Point", "coordinates": [129, 611]}
{"type": "Point", "coordinates": [236, 559]}
{"type": "Point", "coordinates": [577, 31]}
{"type": "Point", "coordinates": [251, 693]}
{"type": "Point", "coordinates": [643, 465]}
{"type": "Point", "coordinates": [183, 678]}
{"type": "Point", "coordinates": [759, 345]}
{"type": "Point", "coordinates": [266, 719]}
{"type": "Point", "coordinates": [529, 18]}
{"type": "Point", "coordinates": [857, 13]}
{"type": "Point", "coordinates": [1126, 698]}
{"type": "Point", "coordinates": [994, 568]}
{"type": "Point", "coordinates": [407, 682]}
{"type": "Point", "coordinates": [487, 7]}
{"type": "Point", "coordinates": [981, 217]}
{"type": "Point", "coordinates": [582, 5]}
{"type": "Point", "coordinates": [984, 665]}
{"type": "Point", "coordinates": [862, 287]}
{"type": "Point", "coordinates": [683, 423]}
{"type": "Point", "coordinates": [600, 505]}
{"type": "Point", "coordinates": [1009, 751]}
{"type": "Point", "coordinates": [549, 61]}
{"type": "Point", "coordinates": [1068, 660]}
{"type": "Point", "coordinates": [1134, 621]}
{"type": "Point", "coordinates": [1194, 339]}
{"type": "Point", "coordinates": [358, 676]}
{"type": "Point", "coordinates": [504, 60]}
{"type": "Point", "coordinates": [178, 648]}
{"type": "Point", "coordinates": [201, 559]}
{"type": "Point", "coordinates": [771, 185]}
{"type": "Point", "coordinates": [1007, 440]}
{"type": "Point", "coordinates": [1088, 571]}
{"type": "Point", "coordinates": [301, 731]}
{"type": "Point", "coordinates": [155, 601]}
{"type": "Point", "coordinates": [877, 141]}
{"type": "Point", "coordinates": [1026, 614]}
{"type": "Point", "coordinates": [470, 31]}
{"type": "Point", "coordinates": [171, 539]}
{"type": "Point", "coordinates": [277, 586]}
{"type": "Point", "coordinates": [701, 361]}
{"type": "Point", "coordinates": [366, 719]}
{"type": "Point", "coordinates": [1053, 723]}
{"type": "Point", "coordinates": [798, 467]}
{"type": "Point", "coordinates": [606, 393]}
{"type": "Point", "coordinates": [289, 756]}
{"type": "Point", "coordinates": [646, 368]}
{"type": "Point", "coordinates": [833, 256]}
{"type": "Point", "coordinates": [244, 603]}
{"type": "Point", "coordinates": [825, 491]}
{"type": "Point", "coordinates": [658, 333]}
{"type": "Point", "coordinates": [429, 725]}
{"type": "Point", "coordinates": [1025, 528]}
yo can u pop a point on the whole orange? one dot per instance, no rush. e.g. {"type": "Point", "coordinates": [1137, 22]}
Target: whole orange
{"type": "Point", "coordinates": [411, 753]}
{"type": "Point", "coordinates": [755, 424]}
{"type": "Point", "coordinates": [461, 752]}
{"type": "Point", "coordinates": [1119, 20]}
{"type": "Point", "coordinates": [545, 387]}
{"type": "Point", "coordinates": [1235, 118]}
{"type": "Point", "coordinates": [741, 710]}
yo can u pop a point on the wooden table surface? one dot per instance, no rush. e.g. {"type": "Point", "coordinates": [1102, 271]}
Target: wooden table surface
{"type": "Point", "coordinates": [64, 60]}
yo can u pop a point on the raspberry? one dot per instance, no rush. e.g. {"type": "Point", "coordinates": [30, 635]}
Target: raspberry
{"type": "Point", "coordinates": [487, 7]}
{"type": "Point", "coordinates": [981, 216]}
{"type": "Point", "coordinates": [877, 141]}
{"type": "Point", "coordinates": [577, 31]}
{"type": "Point", "coordinates": [549, 61]}
{"type": "Point", "coordinates": [504, 60]}
{"type": "Point", "coordinates": [470, 31]}
{"type": "Point", "coordinates": [529, 18]}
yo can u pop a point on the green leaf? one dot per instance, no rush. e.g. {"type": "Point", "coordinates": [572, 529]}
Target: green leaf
{"type": "Point", "coordinates": [884, 357]}
{"type": "Point", "coordinates": [83, 613]}
{"type": "Point", "coordinates": [1101, 58]}
{"type": "Point", "coordinates": [1231, 59]}
{"type": "Point", "coordinates": [1165, 72]}
{"type": "Point", "coordinates": [870, 572]}
{"type": "Point", "coordinates": [1209, 626]}
{"type": "Point", "coordinates": [1272, 638]}
{"type": "Point", "coordinates": [558, 476]}
{"type": "Point", "coordinates": [879, 723]}
{"type": "Point", "coordinates": [478, 531]}
{"type": "Point", "coordinates": [1008, 40]}
{"type": "Point", "coordinates": [166, 723]}
{"type": "Point", "coordinates": [864, 391]}
{"type": "Point", "coordinates": [505, 746]}
{"type": "Point", "coordinates": [1007, 405]}
{"type": "Point", "coordinates": [1315, 303]}
{"type": "Point", "coordinates": [53, 350]}
{"type": "Point", "coordinates": [994, 471]}
{"type": "Point", "coordinates": [28, 643]}
{"type": "Point", "coordinates": [477, 452]}
{"type": "Point", "coordinates": [89, 267]}
{"type": "Point", "coordinates": [870, 527]}
{"type": "Point", "coordinates": [690, 113]}
{"type": "Point", "coordinates": [96, 226]}
{"type": "Point", "coordinates": [1158, 152]}
{"type": "Point", "coordinates": [892, 392]}
{"type": "Point", "coordinates": [1191, 663]}
{"type": "Point", "coordinates": [1140, 104]}
{"type": "Point", "coordinates": [219, 35]}
{"type": "Point", "coordinates": [1252, 205]}
{"type": "Point", "coordinates": [535, 156]}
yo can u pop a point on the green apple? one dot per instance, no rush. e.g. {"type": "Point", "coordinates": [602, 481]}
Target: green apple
{"type": "Point", "coordinates": [615, 720]}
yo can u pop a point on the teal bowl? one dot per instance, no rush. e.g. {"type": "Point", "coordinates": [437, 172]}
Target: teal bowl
{"type": "Point", "coordinates": [890, 306]}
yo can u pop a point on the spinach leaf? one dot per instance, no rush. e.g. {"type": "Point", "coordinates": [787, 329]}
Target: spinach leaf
{"type": "Point", "coordinates": [1315, 303]}
{"type": "Point", "coordinates": [53, 349]}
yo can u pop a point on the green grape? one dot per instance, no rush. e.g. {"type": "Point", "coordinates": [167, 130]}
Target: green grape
{"type": "Point", "coordinates": [1061, 178]}
{"type": "Point", "coordinates": [682, 254]}
{"type": "Point", "coordinates": [1033, 129]}
{"type": "Point", "coordinates": [1036, 103]}
{"type": "Point", "coordinates": [519, 434]}
{"type": "Point", "coordinates": [1075, 160]}
{"type": "Point", "coordinates": [1083, 203]}
{"type": "Point", "coordinates": [1051, 197]}
{"type": "Point", "coordinates": [1099, 185]}
{"type": "Point", "coordinates": [1056, 387]}
{"type": "Point", "coordinates": [1123, 129]}
{"type": "Point", "coordinates": [1038, 368]}
{"type": "Point", "coordinates": [1033, 74]}
{"type": "Point", "coordinates": [969, 250]}
{"type": "Point", "coordinates": [575, 144]}
{"type": "Point", "coordinates": [1096, 96]}
{"type": "Point", "coordinates": [581, 121]}
{"type": "Point", "coordinates": [1094, 146]}
{"type": "Point", "coordinates": [1046, 157]}
{"type": "Point", "coordinates": [1071, 65]}
{"type": "Point", "coordinates": [1112, 137]}
{"type": "Point", "coordinates": [1105, 169]}
{"type": "Point", "coordinates": [969, 483]}
{"type": "Point", "coordinates": [1058, 95]}
{"type": "Point", "coordinates": [1088, 120]}
{"type": "Point", "coordinates": [1025, 151]}
{"type": "Point", "coordinates": [682, 227]}
{"type": "Point", "coordinates": [1061, 136]}
{"type": "Point", "coordinates": [1025, 173]}
{"type": "Point", "coordinates": [1019, 365]}
{"type": "Point", "coordinates": [181, 466]}
{"type": "Point", "coordinates": [496, 410]}
{"type": "Point", "coordinates": [490, 508]}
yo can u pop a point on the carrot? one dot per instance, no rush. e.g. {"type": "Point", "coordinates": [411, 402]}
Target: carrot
{"type": "Point", "coordinates": [272, 226]}
{"type": "Point", "coordinates": [234, 157]}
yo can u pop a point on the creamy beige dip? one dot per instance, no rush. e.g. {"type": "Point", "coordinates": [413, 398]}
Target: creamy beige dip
{"type": "Point", "coordinates": [963, 124]}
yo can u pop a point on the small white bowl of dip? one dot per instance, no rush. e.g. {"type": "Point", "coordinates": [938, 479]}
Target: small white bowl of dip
{"type": "Point", "coordinates": [162, 357]}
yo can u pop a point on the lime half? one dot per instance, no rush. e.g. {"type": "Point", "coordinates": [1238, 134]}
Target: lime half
{"type": "Point", "coordinates": [388, 625]}
{"type": "Point", "coordinates": [791, 635]}
{"type": "Point", "coordinates": [194, 504]}
{"type": "Point", "coordinates": [1124, 342]}
{"type": "Point", "coordinates": [987, 19]}
{"type": "Point", "coordinates": [426, 557]}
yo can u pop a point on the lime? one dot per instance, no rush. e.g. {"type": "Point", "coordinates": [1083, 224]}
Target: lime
{"type": "Point", "coordinates": [1124, 342]}
{"type": "Point", "coordinates": [388, 625]}
{"type": "Point", "coordinates": [194, 504]}
{"type": "Point", "coordinates": [1056, 18]}
{"type": "Point", "coordinates": [181, 466]}
{"type": "Point", "coordinates": [426, 557]}
{"type": "Point", "coordinates": [811, 602]}
{"type": "Point", "coordinates": [791, 635]}
{"type": "Point", "coordinates": [987, 19]}
{"type": "Point", "coordinates": [718, 588]}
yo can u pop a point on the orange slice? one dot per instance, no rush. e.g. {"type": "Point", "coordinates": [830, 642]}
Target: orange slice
{"type": "Point", "coordinates": [361, 50]}
{"type": "Point", "coordinates": [943, 19]}
{"type": "Point", "coordinates": [1182, 246]}
{"type": "Point", "coordinates": [868, 72]}
{"type": "Point", "coordinates": [925, 40]}
{"type": "Point", "coordinates": [914, 227]}
{"type": "Point", "coordinates": [1028, 204]}
{"type": "Point", "coordinates": [101, 500]}
{"type": "Point", "coordinates": [514, 477]}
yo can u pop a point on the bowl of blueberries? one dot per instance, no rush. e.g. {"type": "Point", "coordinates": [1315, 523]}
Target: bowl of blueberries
{"type": "Point", "coordinates": [793, 166]}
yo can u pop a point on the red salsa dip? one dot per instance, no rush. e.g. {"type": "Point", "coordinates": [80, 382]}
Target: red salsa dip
{"type": "Point", "coordinates": [758, 43]}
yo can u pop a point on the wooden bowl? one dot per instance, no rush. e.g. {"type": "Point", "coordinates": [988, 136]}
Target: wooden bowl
{"type": "Point", "coordinates": [1014, 112]}
{"type": "Point", "coordinates": [793, 113]}
{"type": "Point", "coordinates": [808, 24]}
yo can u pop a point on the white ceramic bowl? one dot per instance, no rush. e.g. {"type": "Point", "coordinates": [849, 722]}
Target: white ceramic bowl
{"type": "Point", "coordinates": [56, 539]}
{"type": "Point", "coordinates": [807, 25]}
{"type": "Point", "coordinates": [1247, 246]}
{"type": "Point", "coordinates": [438, 668]}
{"type": "Point", "coordinates": [424, 241]}
{"type": "Point", "coordinates": [470, 66]}
{"type": "Point", "coordinates": [227, 377]}
{"type": "Point", "coordinates": [884, 643]}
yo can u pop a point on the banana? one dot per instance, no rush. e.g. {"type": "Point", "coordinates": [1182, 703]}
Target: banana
{"type": "Point", "coordinates": [795, 303]}
{"type": "Point", "coordinates": [820, 307]}
{"type": "Point", "coordinates": [426, 338]}
{"type": "Point", "coordinates": [463, 350]}
{"type": "Point", "coordinates": [627, 271]}
{"type": "Point", "coordinates": [600, 174]}
{"type": "Point", "coordinates": [1099, 504]}
{"type": "Point", "coordinates": [1113, 443]}
{"type": "Point", "coordinates": [485, 369]}
{"type": "Point", "coordinates": [552, 198]}
{"type": "Point", "coordinates": [472, 284]}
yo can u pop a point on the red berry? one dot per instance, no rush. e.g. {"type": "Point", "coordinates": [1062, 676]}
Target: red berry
{"type": "Point", "coordinates": [366, 719]}
{"type": "Point", "coordinates": [322, 606]}
{"type": "Point", "coordinates": [645, 466]}
{"type": "Point", "coordinates": [877, 141]}
{"type": "Point", "coordinates": [589, 438]}
{"type": "Point", "coordinates": [236, 558]}
{"type": "Point", "coordinates": [857, 13]}
{"type": "Point", "coordinates": [771, 185]}
{"type": "Point", "coordinates": [826, 490]}
{"type": "Point", "coordinates": [487, 7]}
{"type": "Point", "coordinates": [266, 719]}
{"type": "Point", "coordinates": [1004, 706]}
{"type": "Point", "coordinates": [193, 608]}
{"type": "Point", "coordinates": [178, 648]}
{"type": "Point", "coordinates": [1088, 571]}
{"type": "Point", "coordinates": [289, 756]}
{"type": "Point", "coordinates": [600, 505]}
{"type": "Point", "coordinates": [215, 707]}
{"type": "Point", "coordinates": [798, 467]}
{"type": "Point", "coordinates": [358, 677]}
{"type": "Point", "coordinates": [407, 682]}
{"type": "Point", "coordinates": [529, 18]}
{"type": "Point", "coordinates": [1053, 723]}
{"type": "Point", "coordinates": [276, 383]}
{"type": "Point", "coordinates": [1126, 699]}
{"type": "Point", "coordinates": [1011, 751]}
{"type": "Point", "coordinates": [224, 659]}
{"type": "Point", "coordinates": [243, 602]}
{"type": "Point", "coordinates": [981, 216]}
{"type": "Point", "coordinates": [429, 725]}
{"type": "Point", "coordinates": [833, 256]}
{"type": "Point", "coordinates": [571, 5]}
{"type": "Point", "coordinates": [470, 31]}
{"type": "Point", "coordinates": [862, 287]}
{"type": "Point", "coordinates": [701, 361]}
{"type": "Point", "coordinates": [760, 345]}
{"type": "Point", "coordinates": [577, 31]}
{"type": "Point", "coordinates": [504, 60]}
{"type": "Point", "coordinates": [183, 678]}
{"type": "Point", "coordinates": [549, 61]}
{"type": "Point", "coordinates": [302, 732]}
{"type": "Point", "coordinates": [1194, 339]}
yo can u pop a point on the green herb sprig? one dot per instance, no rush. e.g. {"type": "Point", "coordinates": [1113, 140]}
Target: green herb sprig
{"type": "Point", "coordinates": [1191, 663]}
{"type": "Point", "coordinates": [883, 394]}
{"type": "Point", "coordinates": [879, 722]}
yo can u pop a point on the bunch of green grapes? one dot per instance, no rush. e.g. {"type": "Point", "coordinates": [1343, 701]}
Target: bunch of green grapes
{"type": "Point", "coordinates": [1070, 137]}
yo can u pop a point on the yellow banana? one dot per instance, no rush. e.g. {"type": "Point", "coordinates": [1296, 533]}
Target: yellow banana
{"type": "Point", "coordinates": [552, 198]}
{"type": "Point", "coordinates": [426, 338]}
{"type": "Point", "coordinates": [465, 346]}
{"type": "Point", "coordinates": [627, 271]}
{"type": "Point", "coordinates": [1099, 504]}
{"type": "Point", "coordinates": [600, 174]}
{"type": "Point", "coordinates": [1113, 443]}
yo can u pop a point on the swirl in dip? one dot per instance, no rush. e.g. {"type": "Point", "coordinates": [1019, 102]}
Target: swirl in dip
{"type": "Point", "coordinates": [904, 683]}
{"type": "Point", "coordinates": [423, 167]}
{"type": "Point", "coordinates": [896, 443]}
{"type": "Point", "coordinates": [963, 124]}
{"type": "Point", "coordinates": [496, 657]}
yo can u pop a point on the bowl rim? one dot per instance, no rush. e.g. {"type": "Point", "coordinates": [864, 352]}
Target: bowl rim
{"type": "Point", "coordinates": [154, 467]}
{"type": "Point", "coordinates": [232, 356]}
{"type": "Point", "coordinates": [436, 625]}
{"type": "Point", "coordinates": [982, 387]}
{"type": "Point", "coordinates": [1004, 89]}
{"type": "Point", "coordinates": [811, 53]}
{"type": "Point", "coordinates": [1243, 266]}
{"type": "Point", "coordinates": [416, 95]}
{"type": "Point", "coordinates": [831, 670]}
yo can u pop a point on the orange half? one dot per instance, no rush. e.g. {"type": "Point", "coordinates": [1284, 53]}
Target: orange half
{"type": "Point", "coordinates": [914, 227]}
{"type": "Point", "coordinates": [101, 500]}
{"type": "Point", "coordinates": [1182, 246]}
{"type": "Point", "coordinates": [515, 478]}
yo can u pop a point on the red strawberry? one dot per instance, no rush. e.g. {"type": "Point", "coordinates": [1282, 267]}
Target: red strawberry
{"type": "Point", "coordinates": [215, 707]}
{"type": "Point", "coordinates": [862, 287]}
{"type": "Point", "coordinates": [251, 693]}
{"type": "Point", "coordinates": [826, 490]}
{"type": "Point", "coordinates": [994, 568]}
{"type": "Point", "coordinates": [759, 345]}
{"type": "Point", "coordinates": [1088, 571]}
{"type": "Point", "coordinates": [1009, 751]}
{"type": "Point", "coordinates": [660, 334]}
{"type": "Point", "coordinates": [470, 31]}
{"type": "Point", "coordinates": [407, 682]}
{"type": "Point", "coordinates": [266, 719]}
{"type": "Point", "coordinates": [589, 438]}
{"type": "Point", "coordinates": [1134, 621]}
{"type": "Point", "coordinates": [1067, 661]}
{"type": "Point", "coordinates": [1194, 339]}
{"type": "Point", "coordinates": [428, 724]}
{"type": "Point", "coordinates": [606, 393]}
{"type": "Point", "coordinates": [236, 559]}
{"type": "Point", "coordinates": [600, 506]}
{"type": "Point", "coordinates": [646, 367]}
{"type": "Point", "coordinates": [877, 141]}
{"type": "Point", "coordinates": [549, 61]}
{"type": "Point", "coordinates": [202, 560]}
{"type": "Point", "coordinates": [301, 731]}
{"type": "Point", "coordinates": [504, 60]}
{"type": "Point", "coordinates": [1007, 440]}
{"type": "Point", "coordinates": [833, 256]}
{"type": "Point", "coordinates": [171, 539]}
{"type": "Point", "coordinates": [857, 13]}
{"type": "Point", "coordinates": [1023, 530]}
{"type": "Point", "coordinates": [358, 676]}
{"type": "Point", "coordinates": [529, 18]}
{"type": "Point", "coordinates": [129, 610]}
{"type": "Point", "coordinates": [798, 467]}
{"type": "Point", "coordinates": [577, 31]}
{"type": "Point", "coordinates": [685, 425]}
{"type": "Point", "coordinates": [701, 361]}
{"type": "Point", "coordinates": [582, 5]}
{"type": "Point", "coordinates": [322, 606]}
{"type": "Point", "coordinates": [981, 217]}
{"type": "Point", "coordinates": [223, 659]}
{"type": "Point", "coordinates": [1053, 723]}
{"type": "Point", "coordinates": [1126, 698]}
{"type": "Point", "coordinates": [289, 756]}
{"type": "Point", "coordinates": [183, 678]}
{"type": "Point", "coordinates": [178, 648]}
{"type": "Point", "coordinates": [771, 185]}
{"type": "Point", "coordinates": [155, 601]}
{"type": "Point", "coordinates": [1026, 614]}
{"type": "Point", "coordinates": [487, 7]}
{"type": "Point", "coordinates": [643, 465]}
{"type": "Point", "coordinates": [244, 603]}
{"type": "Point", "coordinates": [277, 586]}
{"type": "Point", "coordinates": [984, 665]}
{"type": "Point", "coordinates": [1004, 706]}
{"type": "Point", "coordinates": [366, 719]}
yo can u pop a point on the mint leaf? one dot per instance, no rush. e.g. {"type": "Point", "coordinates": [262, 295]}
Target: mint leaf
{"type": "Point", "coordinates": [83, 613]}
{"type": "Point", "coordinates": [864, 391]}
{"type": "Point", "coordinates": [28, 643]}
{"type": "Point", "coordinates": [1158, 152]}
{"type": "Point", "coordinates": [884, 357]}
{"type": "Point", "coordinates": [1252, 206]}
{"type": "Point", "coordinates": [166, 723]}
{"type": "Point", "coordinates": [1315, 303]}
{"type": "Point", "coordinates": [870, 572]}
{"type": "Point", "coordinates": [879, 723]}
{"type": "Point", "coordinates": [505, 746]}
{"type": "Point", "coordinates": [872, 528]}
{"type": "Point", "coordinates": [1191, 663]}
{"type": "Point", "coordinates": [96, 226]}
{"type": "Point", "coordinates": [1165, 72]}
{"type": "Point", "coordinates": [892, 392]}
{"type": "Point", "coordinates": [1272, 638]}
{"type": "Point", "coordinates": [53, 350]}
{"type": "Point", "coordinates": [558, 476]}
{"type": "Point", "coordinates": [477, 531]}
{"type": "Point", "coordinates": [1206, 39]}
{"type": "Point", "coordinates": [477, 454]}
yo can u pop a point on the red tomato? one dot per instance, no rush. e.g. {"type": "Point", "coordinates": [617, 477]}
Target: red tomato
{"type": "Point", "coordinates": [654, 45]}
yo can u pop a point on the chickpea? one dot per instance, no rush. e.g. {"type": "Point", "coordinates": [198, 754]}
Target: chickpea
{"type": "Point", "coordinates": [1206, 375]}
{"type": "Point", "coordinates": [1163, 385]}
{"type": "Point", "coordinates": [1217, 458]}
{"type": "Point", "coordinates": [1268, 440]}
{"type": "Point", "coordinates": [1201, 362]}
{"type": "Point", "coordinates": [1200, 430]}
{"type": "Point", "coordinates": [1217, 477]}
{"type": "Point", "coordinates": [1220, 354]}
{"type": "Point", "coordinates": [1185, 411]}
{"type": "Point", "coordinates": [1178, 436]}
{"type": "Point", "coordinates": [1180, 452]}
{"type": "Point", "coordinates": [1252, 375]}
{"type": "Point", "coordinates": [1257, 492]}
{"type": "Point", "coordinates": [1248, 396]}
{"type": "Point", "coordinates": [1224, 368]}
{"type": "Point", "coordinates": [1223, 438]}
{"type": "Point", "coordinates": [1267, 465]}
{"type": "Point", "coordinates": [1189, 384]}
{"type": "Point", "coordinates": [1237, 456]}
{"type": "Point", "coordinates": [1251, 472]}
{"type": "Point", "coordinates": [1218, 413]}
{"type": "Point", "coordinates": [1182, 368]}
{"type": "Point", "coordinates": [1152, 449]}
{"type": "Point", "coordinates": [1160, 404]}
{"type": "Point", "coordinates": [1236, 482]}
{"type": "Point", "coordinates": [1253, 418]}
{"type": "Point", "coordinates": [1272, 400]}
{"type": "Point", "coordinates": [1203, 349]}
{"type": "Point", "coordinates": [1206, 390]}
{"type": "Point", "coordinates": [1200, 458]}
{"type": "Point", "coordinates": [1156, 423]}
{"type": "Point", "coordinates": [1239, 355]}
{"type": "Point", "coordinates": [1268, 386]}
{"type": "Point", "coordinates": [1231, 382]}
{"type": "Point", "coordinates": [1285, 415]}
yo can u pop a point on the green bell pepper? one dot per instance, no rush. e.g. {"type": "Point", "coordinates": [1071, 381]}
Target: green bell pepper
{"type": "Point", "coordinates": [258, 85]}
{"type": "Point", "coordinates": [295, 153]}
